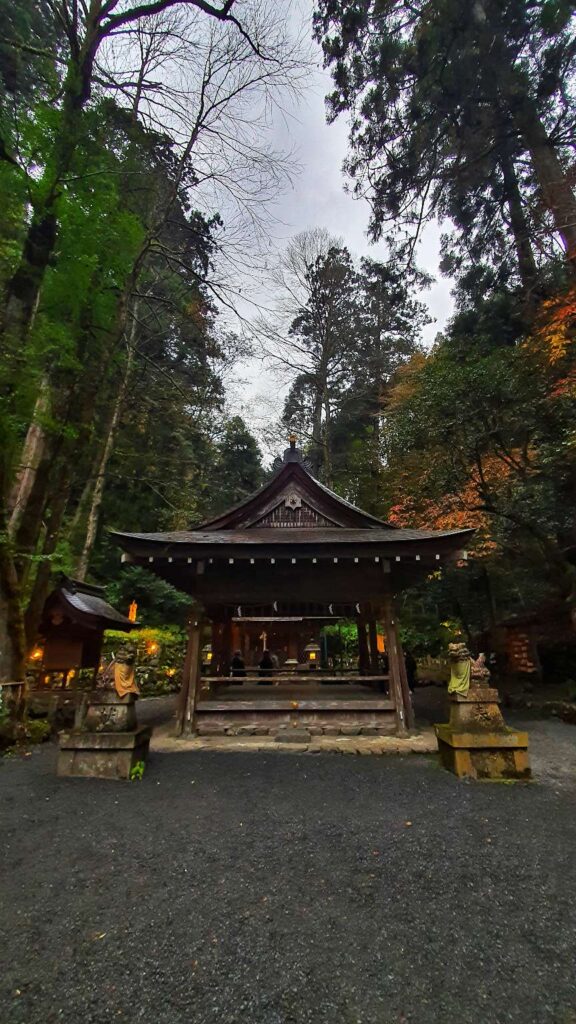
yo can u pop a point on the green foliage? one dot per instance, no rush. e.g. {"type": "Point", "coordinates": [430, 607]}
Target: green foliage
{"type": "Point", "coordinates": [480, 434]}
{"type": "Point", "coordinates": [158, 602]}
{"type": "Point", "coordinates": [37, 730]}
{"type": "Point", "coordinates": [237, 467]}
{"type": "Point", "coordinates": [137, 771]}
{"type": "Point", "coordinates": [448, 106]}
{"type": "Point", "coordinates": [159, 657]}
{"type": "Point", "coordinates": [359, 324]}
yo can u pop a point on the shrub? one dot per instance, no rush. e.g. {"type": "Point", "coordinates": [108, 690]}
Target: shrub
{"type": "Point", "coordinates": [37, 730]}
{"type": "Point", "coordinates": [159, 657]}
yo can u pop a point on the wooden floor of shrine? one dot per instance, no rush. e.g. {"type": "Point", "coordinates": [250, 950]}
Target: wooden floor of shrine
{"type": "Point", "coordinates": [317, 692]}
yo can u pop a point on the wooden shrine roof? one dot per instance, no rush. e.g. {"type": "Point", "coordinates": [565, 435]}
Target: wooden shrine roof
{"type": "Point", "coordinates": [86, 605]}
{"type": "Point", "coordinates": [302, 499]}
{"type": "Point", "coordinates": [254, 538]}
{"type": "Point", "coordinates": [293, 522]}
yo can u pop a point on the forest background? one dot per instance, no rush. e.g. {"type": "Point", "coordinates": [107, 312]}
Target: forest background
{"type": "Point", "coordinates": [138, 182]}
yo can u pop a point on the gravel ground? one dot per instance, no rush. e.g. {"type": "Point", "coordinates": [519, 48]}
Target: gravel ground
{"type": "Point", "coordinates": [289, 889]}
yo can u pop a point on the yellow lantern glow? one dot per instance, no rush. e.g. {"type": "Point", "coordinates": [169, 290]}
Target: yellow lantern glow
{"type": "Point", "coordinates": [312, 652]}
{"type": "Point", "coordinates": [37, 654]}
{"type": "Point", "coordinates": [152, 647]}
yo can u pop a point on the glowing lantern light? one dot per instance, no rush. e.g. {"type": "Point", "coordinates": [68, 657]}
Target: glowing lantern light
{"type": "Point", "coordinates": [152, 647]}
{"type": "Point", "coordinates": [312, 651]}
{"type": "Point", "coordinates": [132, 611]}
{"type": "Point", "coordinates": [37, 654]}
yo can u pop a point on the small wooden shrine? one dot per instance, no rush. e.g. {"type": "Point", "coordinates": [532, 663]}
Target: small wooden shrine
{"type": "Point", "coordinates": [74, 619]}
{"type": "Point", "coordinates": [289, 559]}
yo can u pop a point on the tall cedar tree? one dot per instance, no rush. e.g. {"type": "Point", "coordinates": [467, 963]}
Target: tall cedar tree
{"type": "Point", "coordinates": [450, 97]}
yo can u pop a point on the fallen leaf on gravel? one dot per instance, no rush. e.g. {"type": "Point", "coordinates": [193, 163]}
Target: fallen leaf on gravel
{"type": "Point", "coordinates": [407, 823]}
{"type": "Point", "coordinates": [99, 935]}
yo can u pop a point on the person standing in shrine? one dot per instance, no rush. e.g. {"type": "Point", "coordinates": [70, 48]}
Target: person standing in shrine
{"type": "Point", "coordinates": [265, 665]}
{"type": "Point", "coordinates": [237, 665]}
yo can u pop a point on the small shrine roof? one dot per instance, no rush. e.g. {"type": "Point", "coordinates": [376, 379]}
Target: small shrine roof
{"type": "Point", "coordinates": [86, 603]}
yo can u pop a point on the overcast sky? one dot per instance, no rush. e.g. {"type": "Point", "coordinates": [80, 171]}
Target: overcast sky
{"type": "Point", "coordinates": [317, 199]}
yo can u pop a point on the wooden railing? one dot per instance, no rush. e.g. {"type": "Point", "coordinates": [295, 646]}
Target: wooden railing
{"type": "Point", "coordinates": [286, 679]}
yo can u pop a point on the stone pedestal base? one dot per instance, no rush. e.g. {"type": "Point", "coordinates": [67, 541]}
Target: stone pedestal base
{"type": "Point", "coordinates": [107, 712]}
{"type": "Point", "coordinates": [103, 755]}
{"type": "Point", "coordinates": [476, 743]}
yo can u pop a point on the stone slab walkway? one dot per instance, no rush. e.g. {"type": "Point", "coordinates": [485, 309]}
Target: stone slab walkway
{"type": "Point", "coordinates": [423, 742]}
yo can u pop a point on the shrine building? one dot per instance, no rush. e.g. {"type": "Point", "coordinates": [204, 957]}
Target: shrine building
{"type": "Point", "coordinates": [269, 574]}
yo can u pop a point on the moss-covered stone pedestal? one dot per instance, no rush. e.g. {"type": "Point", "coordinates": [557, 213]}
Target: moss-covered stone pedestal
{"type": "Point", "coordinates": [477, 744]}
{"type": "Point", "coordinates": [109, 742]}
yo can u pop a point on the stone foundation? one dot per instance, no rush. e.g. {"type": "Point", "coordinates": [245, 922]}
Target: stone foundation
{"type": "Point", "coordinates": [204, 728]}
{"type": "Point", "coordinates": [477, 744]}
{"type": "Point", "coordinates": [104, 755]}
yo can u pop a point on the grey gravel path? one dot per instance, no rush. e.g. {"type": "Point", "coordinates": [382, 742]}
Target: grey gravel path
{"type": "Point", "coordinates": [287, 889]}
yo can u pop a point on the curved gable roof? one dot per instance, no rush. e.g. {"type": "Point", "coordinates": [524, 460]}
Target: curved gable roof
{"type": "Point", "coordinates": [293, 477]}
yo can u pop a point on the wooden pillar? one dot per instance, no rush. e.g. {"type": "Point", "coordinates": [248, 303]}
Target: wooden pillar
{"type": "Point", "coordinates": [373, 634]}
{"type": "Point", "coordinates": [226, 647]}
{"type": "Point", "coordinates": [363, 653]}
{"type": "Point", "coordinates": [399, 690]}
{"type": "Point", "coordinates": [190, 678]}
{"type": "Point", "coordinates": [217, 648]}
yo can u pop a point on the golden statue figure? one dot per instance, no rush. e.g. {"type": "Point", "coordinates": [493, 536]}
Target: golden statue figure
{"type": "Point", "coordinates": [124, 677]}
{"type": "Point", "coordinates": [460, 669]}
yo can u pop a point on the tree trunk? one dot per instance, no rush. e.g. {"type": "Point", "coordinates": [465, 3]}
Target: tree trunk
{"type": "Point", "coordinates": [41, 585]}
{"type": "Point", "coordinates": [12, 638]}
{"type": "Point", "coordinates": [100, 479]}
{"type": "Point", "coordinates": [22, 293]}
{"type": "Point", "coordinates": [23, 289]}
{"type": "Point", "coordinates": [13, 659]}
{"type": "Point", "coordinates": [326, 446]}
{"type": "Point", "coordinates": [554, 183]}
{"type": "Point", "coordinates": [316, 455]}
{"type": "Point", "coordinates": [31, 457]}
{"type": "Point", "coordinates": [526, 263]}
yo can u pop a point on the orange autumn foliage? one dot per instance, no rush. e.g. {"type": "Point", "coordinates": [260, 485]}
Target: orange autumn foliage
{"type": "Point", "coordinates": [555, 332]}
{"type": "Point", "coordinates": [407, 382]}
{"type": "Point", "coordinates": [459, 510]}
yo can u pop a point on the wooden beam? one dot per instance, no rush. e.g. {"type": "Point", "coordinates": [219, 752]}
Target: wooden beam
{"type": "Point", "coordinates": [287, 678]}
